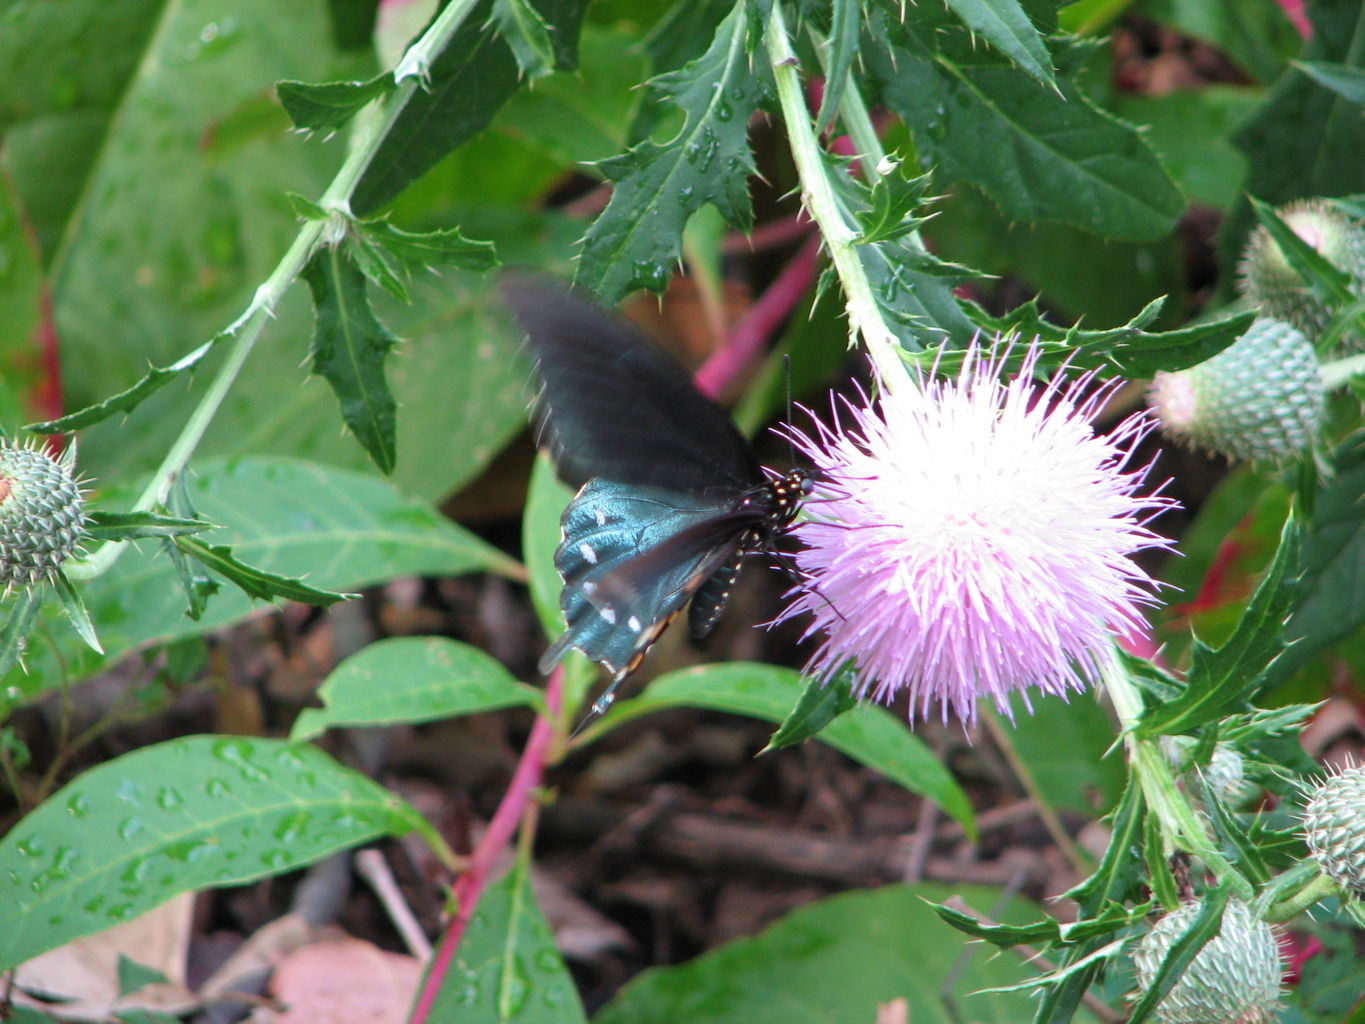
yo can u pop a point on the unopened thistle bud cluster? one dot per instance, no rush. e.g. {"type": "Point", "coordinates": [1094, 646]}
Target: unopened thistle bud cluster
{"type": "Point", "coordinates": [1334, 825]}
{"type": "Point", "coordinates": [41, 514]}
{"type": "Point", "coordinates": [1259, 400]}
{"type": "Point", "coordinates": [1234, 978]}
{"type": "Point", "coordinates": [1269, 281]}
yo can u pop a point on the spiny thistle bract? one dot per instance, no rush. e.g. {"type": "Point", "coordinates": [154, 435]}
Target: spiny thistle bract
{"type": "Point", "coordinates": [1234, 979]}
{"type": "Point", "coordinates": [1267, 280]}
{"type": "Point", "coordinates": [1225, 772]}
{"type": "Point", "coordinates": [1334, 825]}
{"type": "Point", "coordinates": [1259, 400]}
{"type": "Point", "coordinates": [41, 514]}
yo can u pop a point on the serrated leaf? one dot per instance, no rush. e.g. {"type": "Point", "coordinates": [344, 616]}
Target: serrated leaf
{"type": "Point", "coordinates": [1347, 82]}
{"type": "Point", "coordinates": [868, 734]}
{"type": "Point", "coordinates": [327, 106]}
{"type": "Point", "coordinates": [343, 530]}
{"type": "Point", "coordinates": [75, 611]}
{"type": "Point", "coordinates": [508, 967]}
{"type": "Point", "coordinates": [819, 704]}
{"type": "Point", "coordinates": [19, 618]}
{"type": "Point", "coordinates": [1328, 282]}
{"type": "Point", "coordinates": [657, 187]}
{"type": "Point", "coordinates": [528, 34]}
{"type": "Point", "coordinates": [846, 25]}
{"type": "Point", "coordinates": [411, 679]}
{"type": "Point", "coordinates": [349, 348]}
{"type": "Point", "coordinates": [1048, 931]}
{"type": "Point", "coordinates": [422, 249]}
{"type": "Point", "coordinates": [129, 399]}
{"type": "Point", "coordinates": [1041, 152]}
{"type": "Point", "coordinates": [893, 201]}
{"type": "Point", "coordinates": [257, 583]}
{"type": "Point", "coordinates": [1221, 680]}
{"type": "Point", "coordinates": [122, 526]}
{"type": "Point", "coordinates": [1005, 25]}
{"type": "Point", "coordinates": [467, 84]}
{"type": "Point", "coordinates": [174, 817]}
{"type": "Point", "coordinates": [1203, 927]}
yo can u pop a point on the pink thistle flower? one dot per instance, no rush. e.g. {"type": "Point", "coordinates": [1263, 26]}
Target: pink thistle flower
{"type": "Point", "coordinates": [972, 537]}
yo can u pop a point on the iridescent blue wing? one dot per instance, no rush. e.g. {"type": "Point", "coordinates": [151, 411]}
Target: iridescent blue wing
{"type": "Point", "coordinates": [630, 558]}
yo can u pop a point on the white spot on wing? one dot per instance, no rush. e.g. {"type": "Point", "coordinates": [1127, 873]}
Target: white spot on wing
{"type": "Point", "coordinates": [608, 615]}
{"type": "Point", "coordinates": [589, 555]}
{"type": "Point", "coordinates": [634, 624]}
{"type": "Point", "coordinates": [601, 517]}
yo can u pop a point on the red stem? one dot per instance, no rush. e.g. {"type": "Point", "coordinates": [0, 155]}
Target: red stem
{"type": "Point", "coordinates": [470, 885]}
{"type": "Point", "coordinates": [748, 337]}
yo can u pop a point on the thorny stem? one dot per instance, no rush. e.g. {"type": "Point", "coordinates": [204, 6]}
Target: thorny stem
{"type": "Point", "coordinates": [1180, 823]}
{"type": "Point", "coordinates": [244, 332]}
{"type": "Point", "coordinates": [515, 809]}
{"type": "Point", "coordinates": [865, 318]}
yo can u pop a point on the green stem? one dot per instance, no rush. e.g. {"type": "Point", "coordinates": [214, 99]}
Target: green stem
{"type": "Point", "coordinates": [246, 330]}
{"type": "Point", "coordinates": [1317, 886]}
{"type": "Point", "coordinates": [1340, 372]}
{"type": "Point", "coordinates": [865, 318]}
{"type": "Point", "coordinates": [1180, 823]}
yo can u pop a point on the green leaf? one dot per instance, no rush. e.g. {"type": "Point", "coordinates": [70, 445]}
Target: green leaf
{"type": "Point", "coordinates": [1048, 931]}
{"type": "Point", "coordinates": [327, 106]}
{"type": "Point", "coordinates": [267, 586]}
{"type": "Point", "coordinates": [868, 734]}
{"type": "Point", "coordinates": [350, 346]}
{"type": "Point", "coordinates": [467, 84]}
{"type": "Point", "coordinates": [133, 976]}
{"type": "Point", "coordinates": [1347, 82]}
{"type": "Point", "coordinates": [819, 704]}
{"type": "Point", "coordinates": [1204, 926]}
{"type": "Point", "coordinates": [18, 622]}
{"type": "Point", "coordinates": [546, 500]}
{"type": "Point", "coordinates": [846, 27]}
{"type": "Point", "coordinates": [174, 817]}
{"type": "Point", "coordinates": [75, 611]}
{"type": "Point", "coordinates": [418, 250]}
{"type": "Point", "coordinates": [528, 34]}
{"type": "Point", "coordinates": [1004, 25]}
{"type": "Point", "coordinates": [508, 967]}
{"type": "Point", "coordinates": [635, 241]}
{"type": "Point", "coordinates": [894, 199]}
{"type": "Point", "coordinates": [130, 398]}
{"type": "Point", "coordinates": [343, 530]}
{"type": "Point", "coordinates": [122, 526]}
{"type": "Point", "coordinates": [411, 679]}
{"type": "Point", "coordinates": [1068, 748]}
{"type": "Point", "coordinates": [1221, 680]}
{"type": "Point", "coordinates": [1306, 140]}
{"type": "Point", "coordinates": [1042, 152]}
{"type": "Point", "coordinates": [838, 960]}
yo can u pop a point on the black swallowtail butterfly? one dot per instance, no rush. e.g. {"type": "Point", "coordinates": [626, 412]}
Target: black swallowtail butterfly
{"type": "Point", "coordinates": [670, 497]}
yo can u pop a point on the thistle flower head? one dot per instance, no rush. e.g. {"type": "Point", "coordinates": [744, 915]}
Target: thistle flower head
{"type": "Point", "coordinates": [42, 515]}
{"type": "Point", "coordinates": [1334, 825]}
{"type": "Point", "coordinates": [971, 537]}
{"type": "Point", "coordinates": [1233, 979]}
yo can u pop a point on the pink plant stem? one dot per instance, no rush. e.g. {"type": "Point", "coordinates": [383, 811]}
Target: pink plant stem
{"type": "Point", "coordinates": [508, 817]}
{"type": "Point", "coordinates": [1298, 16]}
{"type": "Point", "coordinates": [764, 317]}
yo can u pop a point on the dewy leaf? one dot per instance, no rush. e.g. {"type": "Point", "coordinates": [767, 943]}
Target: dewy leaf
{"type": "Point", "coordinates": [471, 79]}
{"type": "Point", "coordinates": [174, 817]}
{"type": "Point", "coordinates": [349, 349]}
{"type": "Point", "coordinates": [327, 106]}
{"type": "Point", "coordinates": [267, 586]}
{"type": "Point", "coordinates": [526, 32]}
{"type": "Point", "coordinates": [1042, 152]}
{"type": "Point", "coordinates": [411, 679]}
{"type": "Point", "coordinates": [1221, 680]}
{"type": "Point", "coordinates": [635, 241]}
{"type": "Point", "coordinates": [129, 399]}
{"type": "Point", "coordinates": [508, 967]}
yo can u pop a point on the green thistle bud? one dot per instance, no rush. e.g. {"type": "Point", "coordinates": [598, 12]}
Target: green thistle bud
{"type": "Point", "coordinates": [1260, 399]}
{"type": "Point", "coordinates": [1234, 979]}
{"type": "Point", "coordinates": [1225, 773]}
{"type": "Point", "coordinates": [1268, 281]}
{"type": "Point", "coordinates": [1334, 824]}
{"type": "Point", "coordinates": [41, 514]}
